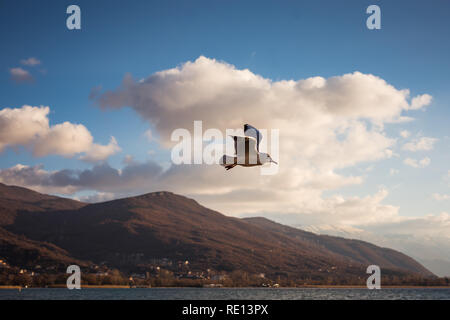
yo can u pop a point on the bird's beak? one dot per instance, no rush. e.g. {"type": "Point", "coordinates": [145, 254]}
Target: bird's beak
{"type": "Point", "coordinates": [273, 161]}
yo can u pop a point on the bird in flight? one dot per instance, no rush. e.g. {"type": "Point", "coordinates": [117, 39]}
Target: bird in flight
{"type": "Point", "coordinates": [247, 150]}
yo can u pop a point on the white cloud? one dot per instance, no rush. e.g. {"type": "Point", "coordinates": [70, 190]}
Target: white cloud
{"type": "Point", "coordinates": [20, 126]}
{"type": "Point", "coordinates": [64, 139]}
{"type": "Point", "coordinates": [420, 102]}
{"type": "Point", "coordinates": [98, 197]}
{"type": "Point", "coordinates": [128, 159]}
{"type": "Point", "coordinates": [422, 144]}
{"type": "Point", "coordinates": [405, 134]}
{"type": "Point", "coordinates": [436, 225]}
{"type": "Point", "coordinates": [29, 127]}
{"type": "Point", "coordinates": [99, 152]}
{"type": "Point", "coordinates": [224, 97]}
{"type": "Point", "coordinates": [425, 162]}
{"type": "Point", "coordinates": [149, 176]}
{"type": "Point", "coordinates": [20, 75]}
{"type": "Point", "coordinates": [355, 211]}
{"type": "Point", "coordinates": [333, 113]}
{"type": "Point", "coordinates": [133, 178]}
{"type": "Point", "coordinates": [30, 61]}
{"type": "Point", "coordinates": [36, 178]}
{"type": "Point", "coordinates": [417, 163]}
{"type": "Point", "coordinates": [446, 177]}
{"type": "Point", "coordinates": [441, 197]}
{"type": "Point", "coordinates": [393, 171]}
{"type": "Point", "coordinates": [149, 135]}
{"type": "Point", "coordinates": [426, 237]}
{"type": "Point", "coordinates": [325, 125]}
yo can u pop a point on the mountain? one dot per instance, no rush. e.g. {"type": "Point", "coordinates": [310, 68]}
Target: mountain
{"type": "Point", "coordinates": [25, 253]}
{"type": "Point", "coordinates": [18, 249]}
{"type": "Point", "coordinates": [15, 199]}
{"type": "Point", "coordinates": [140, 230]}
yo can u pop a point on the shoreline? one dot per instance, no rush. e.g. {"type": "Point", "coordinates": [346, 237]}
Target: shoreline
{"type": "Point", "coordinates": [300, 287]}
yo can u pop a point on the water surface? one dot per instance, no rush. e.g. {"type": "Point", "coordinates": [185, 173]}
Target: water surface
{"type": "Point", "coordinates": [227, 294]}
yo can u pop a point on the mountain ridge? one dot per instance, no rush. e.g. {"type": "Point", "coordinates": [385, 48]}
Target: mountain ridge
{"type": "Point", "coordinates": [134, 231]}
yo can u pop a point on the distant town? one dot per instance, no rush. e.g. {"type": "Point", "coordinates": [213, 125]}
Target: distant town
{"type": "Point", "coordinates": [167, 273]}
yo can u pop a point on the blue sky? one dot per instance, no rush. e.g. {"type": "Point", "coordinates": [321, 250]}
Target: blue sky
{"type": "Point", "coordinates": [279, 40]}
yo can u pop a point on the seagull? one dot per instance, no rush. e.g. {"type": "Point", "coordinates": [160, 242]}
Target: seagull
{"type": "Point", "coordinates": [247, 150]}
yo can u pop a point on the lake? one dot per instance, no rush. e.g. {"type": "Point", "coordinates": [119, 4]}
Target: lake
{"type": "Point", "coordinates": [228, 294]}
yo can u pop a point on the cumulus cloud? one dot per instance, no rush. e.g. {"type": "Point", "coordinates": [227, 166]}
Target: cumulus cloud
{"type": "Point", "coordinates": [421, 144]}
{"type": "Point", "coordinates": [30, 62]}
{"type": "Point", "coordinates": [149, 135]}
{"type": "Point", "coordinates": [441, 197]}
{"type": "Point", "coordinates": [393, 171]}
{"type": "Point", "coordinates": [309, 206]}
{"type": "Point", "coordinates": [417, 163]}
{"type": "Point", "coordinates": [346, 211]}
{"type": "Point", "coordinates": [19, 126]}
{"type": "Point", "coordinates": [430, 232]}
{"type": "Point", "coordinates": [422, 238]}
{"type": "Point", "coordinates": [99, 152]}
{"type": "Point", "coordinates": [225, 97]}
{"type": "Point", "coordinates": [102, 177]}
{"type": "Point", "coordinates": [405, 134]}
{"type": "Point", "coordinates": [29, 127]}
{"type": "Point", "coordinates": [326, 124]}
{"type": "Point", "coordinates": [34, 177]}
{"type": "Point", "coordinates": [420, 101]}
{"type": "Point", "coordinates": [135, 177]}
{"type": "Point", "coordinates": [20, 75]}
{"type": "Point", "coordinates": [64, 139]}
{"type": "Point", "coordinates": [323, 122]}
{"type": "Point", "coordinates": [128, 159]}
{"type": "Point", "coordinates": [97, 197]}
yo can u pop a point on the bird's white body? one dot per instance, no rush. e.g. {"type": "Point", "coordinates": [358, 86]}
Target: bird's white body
{"type": "Point", "coordinates": [246, 150]}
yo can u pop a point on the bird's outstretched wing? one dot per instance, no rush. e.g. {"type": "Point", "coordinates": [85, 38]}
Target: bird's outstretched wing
{"type": "Point", "coordinates": [250, 131]}
{"type": "Point", "coordinates": [245, 149]}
